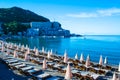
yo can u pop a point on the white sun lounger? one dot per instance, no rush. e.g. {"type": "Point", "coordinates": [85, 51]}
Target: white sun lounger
{"type": "Point", "coordinates": [18, 66]}
{"type": "Point", "coordinates": [27, 68]}
{"type": "Point", "coordinates": [12, 61]}
{"type": "Point", "coordinates": [14, 64]}
{"type": "Point", "coordinates": [45, 75]}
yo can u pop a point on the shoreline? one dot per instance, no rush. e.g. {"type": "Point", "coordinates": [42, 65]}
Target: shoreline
{"type": "Point", "coordinates": [58, 53]}
{"type": "Point", "coordinates": [36, 59]}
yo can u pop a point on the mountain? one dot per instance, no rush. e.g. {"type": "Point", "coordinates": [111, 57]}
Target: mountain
{"type": "Point", "coordinates": [20, 15]}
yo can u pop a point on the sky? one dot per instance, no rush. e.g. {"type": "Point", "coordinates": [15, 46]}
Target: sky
{"type": "Point", "coordinates": [86, 17]}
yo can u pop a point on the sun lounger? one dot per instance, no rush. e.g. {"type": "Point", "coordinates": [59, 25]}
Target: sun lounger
{"type": "Point", "coordinates": [12, 61]}
{"type": "Point", "coordinates": [27, 68]}
{"type": "Point", "coordinates": [43, 76]}
{"type": "Point", "coordinates": [7, 58]}
{"type": "Point", "coordinates": [95, 76]}
{"type": "Point", "coordinates": [14, 64]}
{"type": "Point", "coordinates": [75, 71]}
{"type": "Point", "coordinates": [20, 66]}
{"type": "Point", "coordinates": [34, 71]}
{"type": "Point", "coordinates": [51, 63]}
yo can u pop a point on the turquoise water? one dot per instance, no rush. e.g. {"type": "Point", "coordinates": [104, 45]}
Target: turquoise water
{"type": "Point", "coordinates": [93, 45]}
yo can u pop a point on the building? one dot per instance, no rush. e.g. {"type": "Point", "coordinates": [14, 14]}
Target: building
{"type": "Point", "coordinates": [47, 29]}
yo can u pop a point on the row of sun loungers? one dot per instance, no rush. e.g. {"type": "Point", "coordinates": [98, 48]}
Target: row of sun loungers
{"type": "Point", "coordinates": [60, 65]}
{"type": "Point", "coordinates": [80, 71]}
{"type": "Point", "coordinates": [25, 69]}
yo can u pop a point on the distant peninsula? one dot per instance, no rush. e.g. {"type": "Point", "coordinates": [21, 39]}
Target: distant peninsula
{"type": "Point", "coordinates": [18, 21]}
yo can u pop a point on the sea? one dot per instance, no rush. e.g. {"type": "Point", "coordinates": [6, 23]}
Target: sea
{"type": "Point", "coordinates": [93, 45]}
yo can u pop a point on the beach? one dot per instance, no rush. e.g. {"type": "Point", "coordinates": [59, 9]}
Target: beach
{"type": "Point", "coordinates": [27, 60]}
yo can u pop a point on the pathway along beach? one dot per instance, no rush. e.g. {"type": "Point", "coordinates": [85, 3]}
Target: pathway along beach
{"type": "Point", "coordinates": [31, 63]}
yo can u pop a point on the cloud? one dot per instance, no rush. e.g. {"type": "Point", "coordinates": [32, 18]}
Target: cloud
{"type": "Point", "coordinates": [109, 12]}
{"type": "Point", "coordinates": [83, 15]}
{"type": "Point", "coordinates": [97, 13]}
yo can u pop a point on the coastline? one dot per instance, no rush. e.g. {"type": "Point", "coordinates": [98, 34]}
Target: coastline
{"type": "Point", "coordinates": [56, 58]}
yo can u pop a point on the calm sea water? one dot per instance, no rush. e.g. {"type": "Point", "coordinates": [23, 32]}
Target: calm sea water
{"type": "Point", "coordinates": [107, 46]}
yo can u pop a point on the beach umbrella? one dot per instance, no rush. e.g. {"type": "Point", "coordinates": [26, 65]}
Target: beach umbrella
{"type": "Point", "coordinates": [114, 77]}
{"type": "Point", "coordinates": [68, 74]}
{"type": "Point", "coordinates": [51, 52]}
{"type": "Point", "coordinates": [26, 47]}
{"type": "Point", "coordinates": [44, 64]}
{"type": "Point", "coordinates": [48, 56]}
{"type": "Point", "coordinates": [28, 50]}
{"type": "Point", "coordinates": [37, 52]}
{"type": "Point", "coordinates": [2, 47]}
{"type": "Point", "coordinates": [8, 52]}
{"type": "Point", "coordinates": [11, 45]}
{"type": "Point", "coordinates": [81, 58]}
{"type": "Point", "coordinates": [76, 56]}
{"type": "Point", "coordinates": [65, 57]}
{"type": "Point", "coordinates": [19, 45]}
{"type": "Point", "coordinates": [15, 54]}
{"type": "Point", "coordinates": [43, 50]}
{"type": "Point", "coordinates": [119, 67]}
{"type": "Point", "coordinates": [22, 47]}
{"type": "Point", "coordinates": [8, 45]}
{"type": "Point", "coordinates": [15, 44]}
{"type": "Point", "coordinates": [105, 61]}
{"type": "Point", "coordinates": [26, 56]}
{"type": "Point", "coordinates": [101, 60]}
{"type": "Point", "coordinates": [87, 64]}
{"type": "Point", "coordinates": [17, 48]}
{"type": "Point", "coordinates": [34, 48]}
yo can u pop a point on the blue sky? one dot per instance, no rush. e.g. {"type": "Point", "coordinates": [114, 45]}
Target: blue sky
{"type": "Point", "coordinates": [78, 16]}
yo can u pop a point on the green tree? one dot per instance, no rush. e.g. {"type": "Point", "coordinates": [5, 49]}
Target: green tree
{"type": "Point", "coordinates": [14, 27]}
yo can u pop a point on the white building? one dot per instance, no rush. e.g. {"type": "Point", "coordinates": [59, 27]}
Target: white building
{"type": "Point", "coordinates": [47, 29]}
